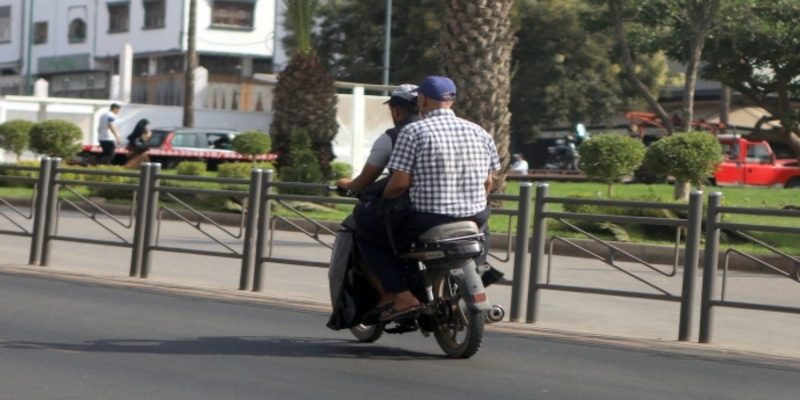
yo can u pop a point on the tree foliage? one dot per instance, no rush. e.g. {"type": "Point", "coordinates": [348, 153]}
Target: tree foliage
{"type": "Point", "coordinates": [567, 68]}
{"type": "Point", "coordinates": [689, 157]}
{"type": "Point", "coordinates": [14, 136]}
{"type": "Point", "coordinates": [305, 95]}
{"type": "Point", "coordinates": [56, 138]}
{"type": "Point", "coordinates": [252, 143]}
{"type": "Point", "coordinates": [305, 167]}
{"type": "Point", "coordinates": [611, 157]}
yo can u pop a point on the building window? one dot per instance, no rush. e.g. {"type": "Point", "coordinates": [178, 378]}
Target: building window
{"type": "Point", "coordinates": [40, 32]}
{"type": "Point", "coordinates": [77, 31]}
{"type": "Point", "coordinates": [169, 63]}
{"type": "Point", "coordinates": [141, 66]}
{"type": "Point", "coordinates": [118, 15]}
{"type": "Point", "coordinates": [221, 64]}
{"type": "Point", "coordinates": [5, 24]}
{"type": "Point", "coordinates": [234, 14]}
{"type": "Point", "coordinates": [154, 12]}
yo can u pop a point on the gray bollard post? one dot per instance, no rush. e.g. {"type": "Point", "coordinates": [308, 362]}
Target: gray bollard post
{"type": "Point", "coordinates": [690, 260]}
{"type": "Point", "coordinates": [250, 234]}
{"type": "Point", "coordinates": [259, 277]}
{"type": "Point", "coordinates": [710, 263]}
{"type": "Point", "coordinates": [141, 217]}
{"type": "Point", "coordinates": [537, 252]}
{"type": "Point", "coordinates": [519, 288]}
{"type": "Point", "coordinates": [39, 211]}
{"type": "Point", "coordinates": [50, 212]}
{"type": "Point", "coordinates": [150, 220]}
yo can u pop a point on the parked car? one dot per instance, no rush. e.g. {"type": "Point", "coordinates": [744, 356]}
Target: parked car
{"type": "Point", "coordinates": [171, 145]}
{"type": "Point", "coordinates": [754, 164]}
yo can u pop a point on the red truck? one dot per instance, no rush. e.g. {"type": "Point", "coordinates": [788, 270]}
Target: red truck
{"type": "Point", "coordinates": [753, 164]}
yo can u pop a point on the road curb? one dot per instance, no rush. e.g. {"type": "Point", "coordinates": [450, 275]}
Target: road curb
{"type": "Point", "coordinates": [652, 254]}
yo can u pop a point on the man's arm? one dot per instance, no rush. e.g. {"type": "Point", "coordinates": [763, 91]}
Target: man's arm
{"type": "Point", "coordinates": [369, 174]}
{"type": "Point", "coordinates": [398, 184]}
{"type": "Point", "coordinates": [113, 128]}
{"type": "Point", "coordinates": [488, 183]}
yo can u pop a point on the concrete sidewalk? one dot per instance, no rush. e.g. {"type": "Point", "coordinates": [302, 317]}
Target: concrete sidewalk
{"type": "Point", "coordinates": [756, 331]}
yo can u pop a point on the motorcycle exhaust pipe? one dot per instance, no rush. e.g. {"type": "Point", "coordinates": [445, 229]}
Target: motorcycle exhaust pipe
{"type": "Point", "coordinates": [495, 314]}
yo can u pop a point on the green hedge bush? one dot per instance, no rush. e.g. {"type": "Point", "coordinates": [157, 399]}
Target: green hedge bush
{"type": "Point", "coordinates": [305, 166]}
{"type": "Point", "coordinates": [27, 174]}
{"type": "Point", "coordinates": [689, 157]}
{"type": "Point", "coordinates": [191, 168]}
{"type": "Point", "coordinates": [341, 170]}
{"type": "Point", "coordinates": [14, 136]}
{"type": "Point", "coordinates": [252, 143]}
{"type": "Point", "coordinates": [56, 138]}
{"type": "Point", "coordinates": [610, 157]}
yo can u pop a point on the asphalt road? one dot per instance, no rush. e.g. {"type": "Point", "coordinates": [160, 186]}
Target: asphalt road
{"type": "Point", "coordinates": [86, 338]}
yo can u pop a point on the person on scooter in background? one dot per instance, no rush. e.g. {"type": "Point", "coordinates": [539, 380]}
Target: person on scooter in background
{"type": "Point", "coordinates": [441, 172]}
{"type": "Point", "coordinates": [403, 107]}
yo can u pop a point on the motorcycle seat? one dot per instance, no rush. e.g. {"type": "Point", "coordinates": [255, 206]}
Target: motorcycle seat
{"type": "Point", "coordinates": [456, 240]}
{"type": "Point", "coordinates": [450, 231]}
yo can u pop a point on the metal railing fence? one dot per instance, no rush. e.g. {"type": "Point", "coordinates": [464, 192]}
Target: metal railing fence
{"type": "Point", "coordinates": [714, 227]}
{"type": "Point", "coordinates": [257, 227]}
{"type": "Point", "coordinates": [537, 272]}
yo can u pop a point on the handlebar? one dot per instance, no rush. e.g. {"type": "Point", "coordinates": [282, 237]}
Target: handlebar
{"type": "Point", "coordinates": [342, 191]}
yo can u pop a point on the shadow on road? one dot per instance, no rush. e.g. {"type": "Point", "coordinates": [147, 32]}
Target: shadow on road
{"type": "Point", "coordinates": [234, 346]}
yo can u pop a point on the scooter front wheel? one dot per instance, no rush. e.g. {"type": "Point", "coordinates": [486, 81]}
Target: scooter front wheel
{"type": "Point", "coordinates": [368, 334]}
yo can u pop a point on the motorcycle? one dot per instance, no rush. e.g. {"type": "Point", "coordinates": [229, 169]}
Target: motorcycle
{"type": "Point", "coordinates": [563, 156]}
{"type": "Point", "coordinates": [442, 272]}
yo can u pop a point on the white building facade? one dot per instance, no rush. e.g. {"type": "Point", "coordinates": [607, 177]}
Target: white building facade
{"type": "Point", "coordinates": [76, 44]}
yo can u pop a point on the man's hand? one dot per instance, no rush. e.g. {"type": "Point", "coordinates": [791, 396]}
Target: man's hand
{"type": "Point", "coordinates": [344, 183]}
{"type": "Point", "coordinates": [398, 184]}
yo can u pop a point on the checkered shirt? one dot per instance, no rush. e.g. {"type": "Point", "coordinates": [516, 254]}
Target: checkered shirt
{"type": "Point", "coordinates": [449, 160]}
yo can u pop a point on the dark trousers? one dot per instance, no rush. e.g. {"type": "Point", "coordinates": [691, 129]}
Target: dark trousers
{"type": "Point", "coordinates": [374, 243]}
{"type": "Point", "coordinates": [109, 146]}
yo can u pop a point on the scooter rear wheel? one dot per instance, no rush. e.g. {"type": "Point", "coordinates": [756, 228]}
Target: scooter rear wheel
{"type": "Point", "coordinates": [368, 334]}
{"type": "Point", "coordinates": [459, 332]}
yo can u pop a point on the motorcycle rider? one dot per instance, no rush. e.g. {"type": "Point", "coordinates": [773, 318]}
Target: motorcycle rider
{"type": "Point", "coordinates": [403, 107]}
{"type": "Point", "coordinates": [443, 165]}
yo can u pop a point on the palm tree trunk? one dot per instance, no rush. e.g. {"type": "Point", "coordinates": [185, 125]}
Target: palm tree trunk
{"type": "Point", "coordinates": [476, 44]}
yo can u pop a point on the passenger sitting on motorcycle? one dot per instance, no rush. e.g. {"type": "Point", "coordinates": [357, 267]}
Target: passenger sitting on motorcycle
{"type": "Point", "coordinates": [445, 164]}
{"type": "Point", "coordinates": [403, 106]}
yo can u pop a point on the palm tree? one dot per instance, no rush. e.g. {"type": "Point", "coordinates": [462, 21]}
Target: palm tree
{"type": "Point", "coordinates": [476, 44]}
{"type": "Point", "coordinates": [305, 95]}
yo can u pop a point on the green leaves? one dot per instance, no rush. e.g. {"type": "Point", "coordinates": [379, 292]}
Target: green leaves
{"type": "Point", "coordinates": [56, 138]}
{"type": "Point", "coordinates": [252, 143]}
{"type": "Point", "coordinates": [14, 136]}
{"type": "Point", "coordinates": [610, 157]}
{"type": "Point", "coordinates": [301, 14]}
{"type": "Point", "coordinates": [689, 157]}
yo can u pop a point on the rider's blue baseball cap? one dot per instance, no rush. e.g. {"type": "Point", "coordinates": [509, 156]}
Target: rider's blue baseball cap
{"type": "Point", "coordinates": [439, 88]}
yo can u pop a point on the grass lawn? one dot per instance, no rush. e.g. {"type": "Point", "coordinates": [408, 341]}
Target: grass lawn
{"type": "Point", "coordinates": [738, 197]}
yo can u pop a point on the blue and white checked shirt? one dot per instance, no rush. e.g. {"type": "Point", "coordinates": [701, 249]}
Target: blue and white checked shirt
{"type": "Point", "coordinates": [449, 160]}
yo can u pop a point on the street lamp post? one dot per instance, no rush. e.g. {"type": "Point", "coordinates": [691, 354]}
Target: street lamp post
{"type": "Point", "coordinates": [28, 84]}
{"type": "Point", "coordinates": [387, 44]}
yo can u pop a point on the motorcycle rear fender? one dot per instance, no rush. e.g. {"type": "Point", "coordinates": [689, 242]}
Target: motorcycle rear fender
{"type": "Point", "coordinates": [474, 297]}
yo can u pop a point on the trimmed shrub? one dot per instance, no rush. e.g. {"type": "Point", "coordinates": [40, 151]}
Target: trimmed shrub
{"type": "Point", "coordinates": [610, 157]}
{"type": "Point", "coordinates": [252, 143]}
{"type": "Point", "coordinates": [14, 136]}
{"type": "Point", "coordinates": [305, 166]}
{"type": "Point", "coordinates": [191, 168]}
{"type": "Point", "coordinates": [341, 170]}
{"type": "Point", "coordinates": [56, 138]}
{"type": "Point", "coordinates": [689, 157]}
{"type": "Point", "coordinates": [235, 170]}
{"type": "Point", "coordinates": [27, 174]}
